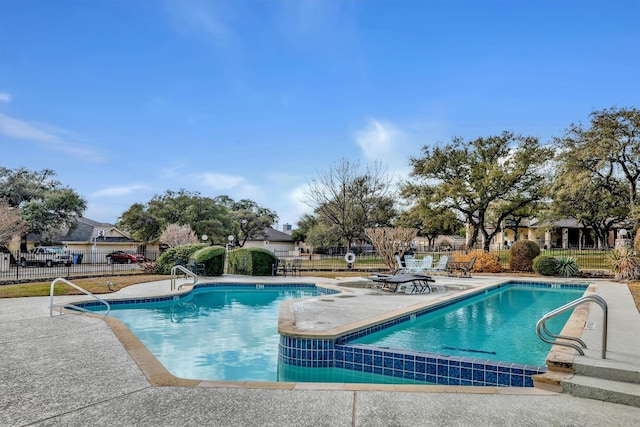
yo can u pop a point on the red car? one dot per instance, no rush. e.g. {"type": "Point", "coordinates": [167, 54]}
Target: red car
{"type": "Point", "coordinates": [123, 257]}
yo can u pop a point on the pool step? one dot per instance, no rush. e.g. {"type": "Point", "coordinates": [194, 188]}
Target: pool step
{"type": "Point", "coordinates": [607, 369]}
{"type": "Point", "coordinates": [625, 393]}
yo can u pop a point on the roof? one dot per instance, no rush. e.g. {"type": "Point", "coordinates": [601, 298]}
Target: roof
{"type": "Point", "coordinates": [273, 235]}
{"type": "Point", "coordinates": [86, 230]}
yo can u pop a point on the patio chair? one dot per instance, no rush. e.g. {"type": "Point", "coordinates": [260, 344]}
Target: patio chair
{"type": "Point", "coordinates": [398, 283]}
{"type": "Point", "coordinates": [197, 267]}
{"type": "Point", "coordinates": [425, 264]}
{"type": "Point", "coordinates": [441, 266]}
{"type": "Point", "coordinates": [462, 268]}
{"type": "Point", "coordinates": [279, 265]}
{"type": "Point", "coordinates": [401, 266]}
{"type": "Point", "coordinates": [294, 266]}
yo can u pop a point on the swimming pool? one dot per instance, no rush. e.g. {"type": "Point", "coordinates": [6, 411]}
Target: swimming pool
{"type": "Point", "coordinates": [496, 325]}
{"type": "Point", "coordinates": [221, 332]}
{"type": "Point", "coordinates": [441, 367]}
{"type": "Point", "coordinates": [229, 332]}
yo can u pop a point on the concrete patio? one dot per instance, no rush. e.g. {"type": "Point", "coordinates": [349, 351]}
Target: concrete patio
{"type": "Point", "coordinates": [74, 370]}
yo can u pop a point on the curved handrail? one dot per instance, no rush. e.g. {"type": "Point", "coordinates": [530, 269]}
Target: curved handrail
{"type": "Point", "coordinates": [541, 327]}
{"type": "Point", "coordinates": [73, 285]}
{"type": "Point", "coordinates": [185, 270]}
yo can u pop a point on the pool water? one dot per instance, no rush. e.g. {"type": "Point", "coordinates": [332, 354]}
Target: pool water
{"type": "Point", "coordinates": [498, 325]}
{"type": "Point", "coordinates": [230, 333]}
{"type": "Point", "coordinates": [214, 335]}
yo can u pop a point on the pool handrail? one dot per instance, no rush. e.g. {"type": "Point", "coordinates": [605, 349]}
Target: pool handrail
{"type": "Point", "coordinates": [541, 327]}
{"type": "Point", "coordinates": [185, 270]}
{"type": "Point", "coordinates": [75, 307]}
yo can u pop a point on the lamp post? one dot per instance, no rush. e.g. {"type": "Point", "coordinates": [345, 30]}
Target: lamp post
{"type": "Point", "coordinates": [231, 238]}
{"type": "Point", "coordinates": [622, 242]}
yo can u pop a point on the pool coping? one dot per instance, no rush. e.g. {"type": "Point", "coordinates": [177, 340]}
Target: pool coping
{"type": "Point", "coordinates": [158, 375]}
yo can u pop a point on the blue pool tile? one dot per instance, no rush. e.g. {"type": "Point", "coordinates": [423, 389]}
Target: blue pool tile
{"type": "Point", "coordinates": [454, 372]}
{"type": "Point", "coordinates": [504, 379]}
{"type": "Point", "coordinates": [398, 363]}
{"type": "Point", "coordinates": [491, 378]}
{"type": "Point", "coordinates": [517, 380]}
{"type": "Point", "coordinates": [442, 370]}
{"type": "Point", "coordinates": [432, 368]}
{"type": "Point", "coordinates": [465, 373]}
{"type": "Point", "coordinates": [409, 365]}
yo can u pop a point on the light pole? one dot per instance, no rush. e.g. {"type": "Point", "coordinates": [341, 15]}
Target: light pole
{"type": "Point", "coordinates": [231, 238]}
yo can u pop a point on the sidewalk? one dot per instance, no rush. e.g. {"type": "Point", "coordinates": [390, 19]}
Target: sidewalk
{"type": "Point", "coordinates": [73, 370]}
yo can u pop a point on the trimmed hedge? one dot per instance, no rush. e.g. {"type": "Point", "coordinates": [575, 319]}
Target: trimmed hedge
{"type": "Point", "coordinates": [545, 265]}
{"type": "Point", "coordinates": [213, 259]}
{"type": "Point", "coordinates": [521, 255]}
{"type": "Point", "coordinates": [176, 255]}
{"type": "Point", "coordinates": [251, 261]}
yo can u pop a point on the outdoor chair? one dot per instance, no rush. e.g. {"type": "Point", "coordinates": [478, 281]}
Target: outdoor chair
{"type": "Point", "coordinates": [461, 268]}
{"type": "Point", "coordinates": [420, 266]}
{"type": "Point", "coordinates": [397, 283]}
{"type": "Point", "coordinates": [441, 266]}
{"type": "Point", "coordinates": [280, 266]}
{"type": "Point", "coordinates": [197, 267]}
{"type": "Point", "coordinates": [295, 266]}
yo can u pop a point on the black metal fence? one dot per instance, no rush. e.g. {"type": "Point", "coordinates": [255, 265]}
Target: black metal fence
{"type": "Point", "coordinates": [20, 267]}
{"type": "Point", "coordinates": [96, 263]}
{"type": "Point", "coordinates": [369, 260]}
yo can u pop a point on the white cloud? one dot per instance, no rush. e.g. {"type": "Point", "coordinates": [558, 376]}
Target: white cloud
{"type": "Point", "coordinates": [5, 97]}
{"type": "Point", "coordinates": [51, 138]}
{"type": "Point", "coordinates": [219, 181]}
{"type": "Point", "coordinates": [200, 19]}
{"type": "Point", "coordinates": [296, 198]}
{"type": "Point", "coordinates": [379, 140]}
{"type": "Point", "coordinates": [119, 191]}
{"type": "Point", "coordinates": [386, 143]}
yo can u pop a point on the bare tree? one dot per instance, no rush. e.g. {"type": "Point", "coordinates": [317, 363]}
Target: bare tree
{"type": "Point", "coordinates": [11, 223]}
{"type": "Point", "coordinates": [348, 199]}
{"type": "Point", "coordinates": [176, 235]}
{"type": "Point", "coordinates": [391, 241]}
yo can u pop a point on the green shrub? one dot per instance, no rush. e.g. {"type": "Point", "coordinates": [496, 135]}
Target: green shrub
{"type": "Point", "coordinates": [521, 255]}
{"type": "Point", "coordinates": [251, 261]}
{"type": "Point", "coordinates": [213, 259]}
{"type": "Point", "coordinates": [176, 255]}
{"type": "Point", "coordinates": [545, 265]}
{"type": "Point", "coordinates": [567, 266]}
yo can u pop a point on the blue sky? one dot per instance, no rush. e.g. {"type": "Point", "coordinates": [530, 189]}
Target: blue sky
{"type": "Point", "coordinates": [127, 99]}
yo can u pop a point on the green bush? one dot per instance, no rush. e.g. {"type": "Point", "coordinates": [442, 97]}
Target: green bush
{"type": "Point", "coordinates": [521, 255]}
{"type": "Point", "coordinates": [545, 265]}
{"type": "Point", "coordinates": [567, 266]}
{"type": "Point", "coordinates": [251, 261]}
{"type": "Point", "coordinates": [176, 255]}
{"type": "Point", "coordinates": [213, 259]}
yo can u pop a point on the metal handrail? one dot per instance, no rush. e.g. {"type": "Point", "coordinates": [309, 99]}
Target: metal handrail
{"type": "Point", "coordinates": [76, 307]}
{"type": "Point", "coordinates": [541, 327]}
{"type": "Point", "coordinates": [185, 271]}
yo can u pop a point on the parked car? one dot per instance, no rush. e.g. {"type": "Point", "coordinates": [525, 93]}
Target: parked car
{"type": "Point", "coordinates": [124, 257]}
{"type": "Point", "coordinates": [45, 255]}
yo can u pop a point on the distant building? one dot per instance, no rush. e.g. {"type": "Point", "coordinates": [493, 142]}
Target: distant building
{"type": "Point", "coordinates": [93, 239]}
{"type": "Point", "coordinates": [273, 240]}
